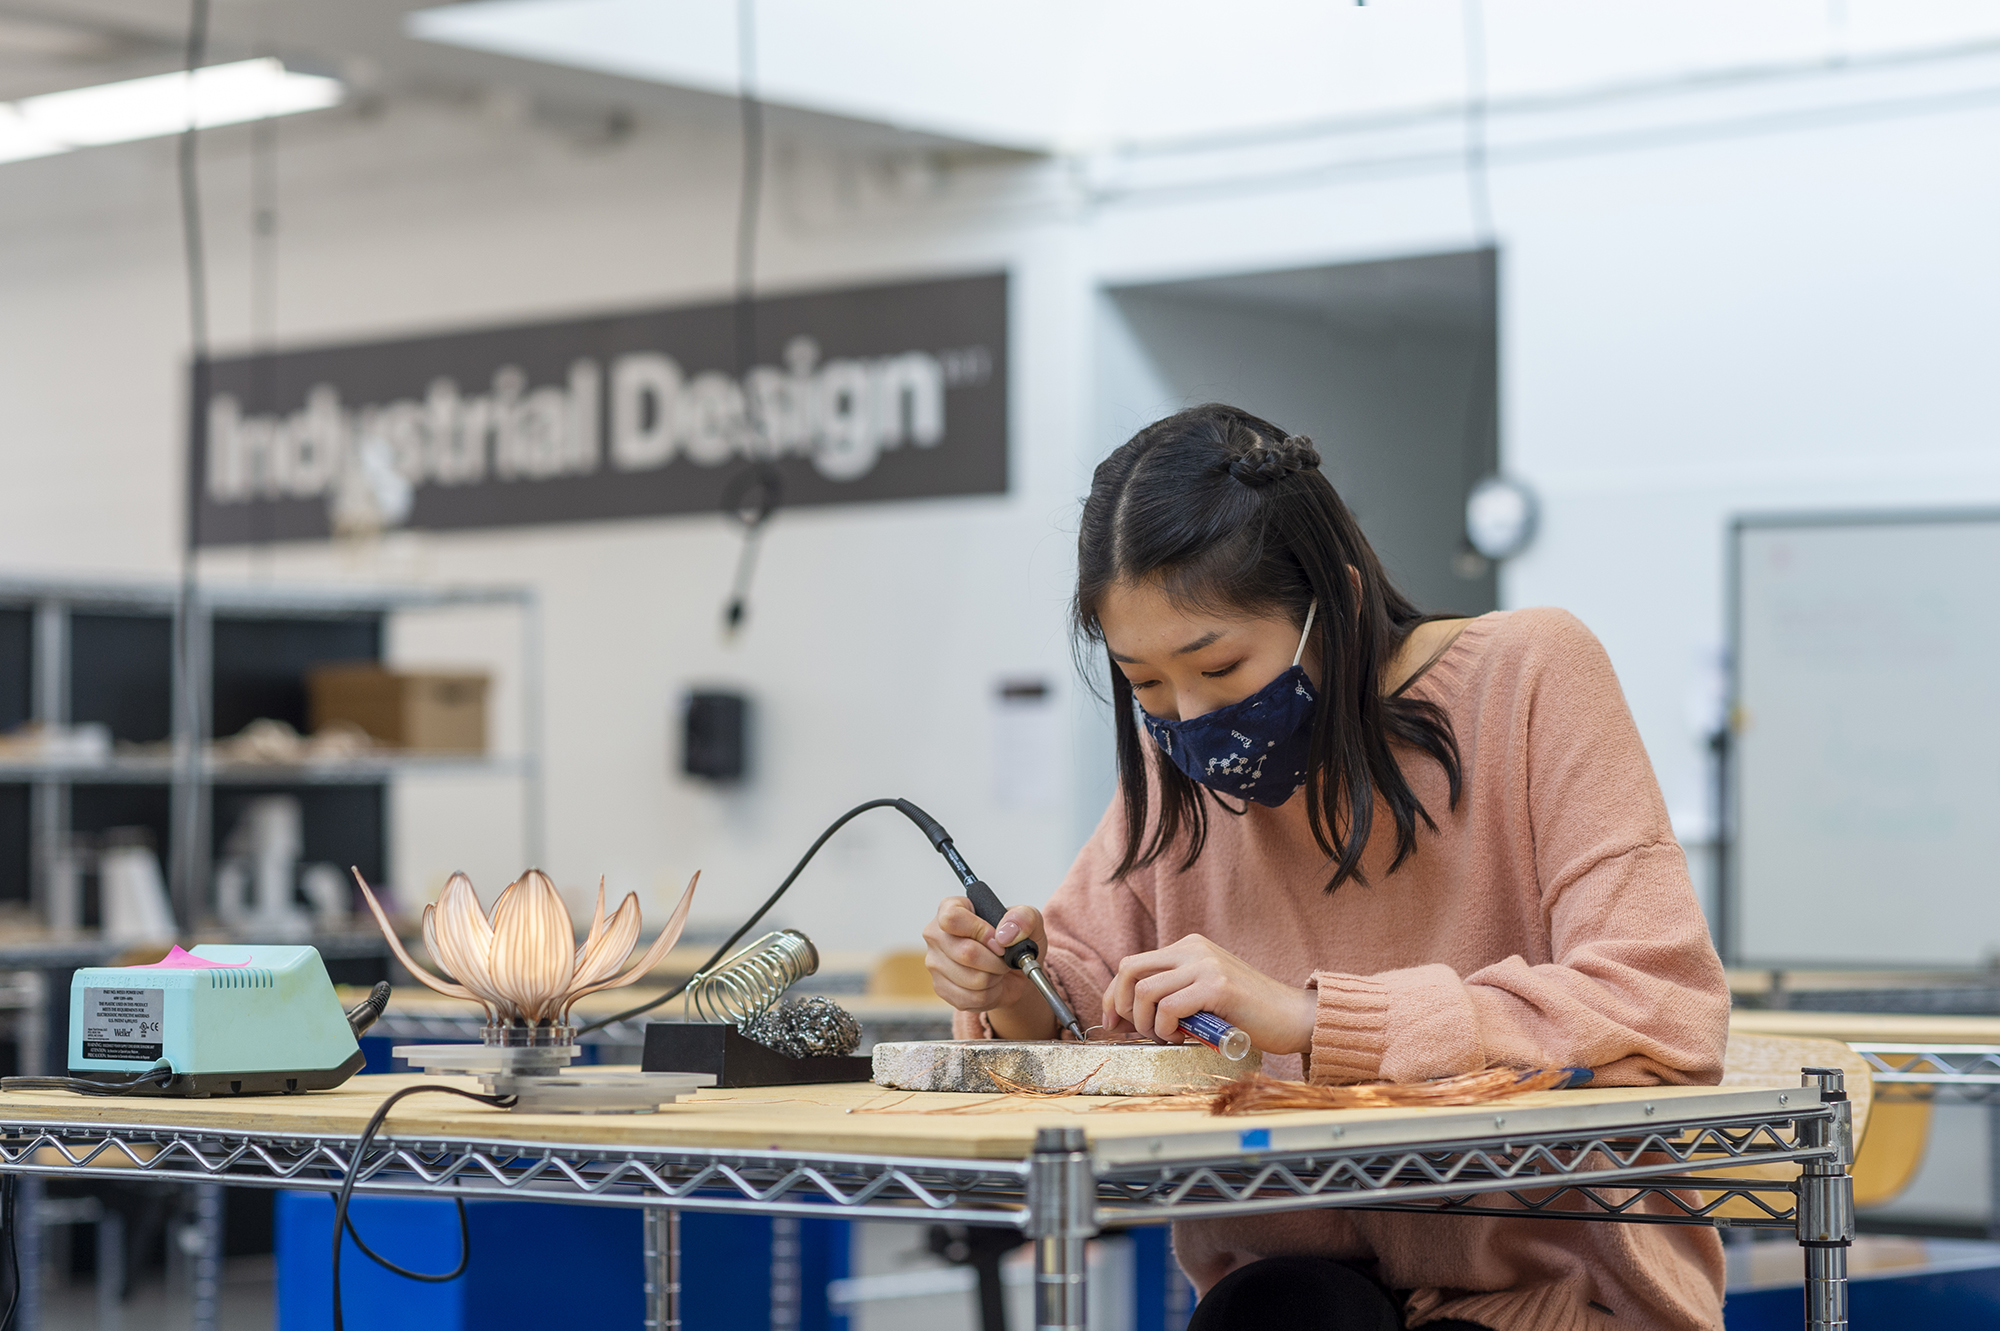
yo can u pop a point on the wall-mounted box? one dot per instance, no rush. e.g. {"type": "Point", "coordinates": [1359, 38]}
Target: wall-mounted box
{"type": "Point", "coordinates": [715, 736]}
{"type": "Point", "coordinates": [429, 711]}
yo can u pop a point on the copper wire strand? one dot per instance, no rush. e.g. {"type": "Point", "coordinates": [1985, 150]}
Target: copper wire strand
{"type": "Point", "coordinates": [1012, 1087]}
{"type": "Point", "coordinates": [1257, 1093]}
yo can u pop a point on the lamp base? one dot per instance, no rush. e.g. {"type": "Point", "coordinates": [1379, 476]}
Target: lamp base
{"type": "Point", "coordinates": [542, 1083]}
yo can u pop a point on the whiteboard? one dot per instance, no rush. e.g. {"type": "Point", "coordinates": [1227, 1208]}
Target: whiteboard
{"type": "Point", "coordinates": [1868, 749]}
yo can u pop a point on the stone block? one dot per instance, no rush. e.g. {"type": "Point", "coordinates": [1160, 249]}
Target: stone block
{"type": "Point", "coordinates": [1111, 1069]}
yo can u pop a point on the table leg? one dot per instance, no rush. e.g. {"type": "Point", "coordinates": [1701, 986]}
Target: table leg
{"type": "Point", "coordinates": [1062, 1215]}
{"type": "Point", "coordinates": [110, 1270]}
{"type": "Point", "coordinates": [663, 1269]}
{"type": "Point", "coordinates": [207, 1266]}
{"type": "Point", "coordinates": [1825, 1215]}
{"type": "Point", "coordinates": [28, 1237]}
{"type": "Point", "coordinates": [1993, 1168]}
{"type": "Point", "coordinates": [1059, 1287]}
{"type": "Point", "coordinates": [787, 1279]}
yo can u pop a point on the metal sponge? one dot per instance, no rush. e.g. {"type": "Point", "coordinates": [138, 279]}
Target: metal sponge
{"type": "Point", "coordinates": [804, 1027]}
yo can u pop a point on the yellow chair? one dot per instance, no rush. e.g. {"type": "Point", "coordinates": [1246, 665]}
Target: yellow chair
{"type": "Point", "coordinates": [900, 975]}
{"type": "Point", "coordinates": [1888, 1157]}
{"type": "Point", "coordinates": [1774, 1060]}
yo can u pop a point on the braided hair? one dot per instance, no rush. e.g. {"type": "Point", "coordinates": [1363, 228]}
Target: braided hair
{"type": "Point", "coordinates": [1228, 512]}
{"type": "Point", "coordinates": [1266, 464]}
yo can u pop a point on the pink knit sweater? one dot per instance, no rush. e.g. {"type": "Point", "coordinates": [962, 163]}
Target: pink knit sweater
{"type": "Point", "coordinates": [1549, 921]}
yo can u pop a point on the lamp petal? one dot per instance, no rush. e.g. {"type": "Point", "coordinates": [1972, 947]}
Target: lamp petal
{"type": "Point", "coordinates": [396, 945]}
{"type": "Point", "coordinates": [533, 946]}
{"type": "Point", "coordinates": [596, 928]}
{"type": "Point", "coordinates": [669, 935]}
{"type": "Point", "coordinates": [603, 957]}
{"type": "Point", "coordinates": [460, 938]}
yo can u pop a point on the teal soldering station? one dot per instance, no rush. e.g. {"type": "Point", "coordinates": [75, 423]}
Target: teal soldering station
{"type": "Point", "coordinates": [223, 1019]}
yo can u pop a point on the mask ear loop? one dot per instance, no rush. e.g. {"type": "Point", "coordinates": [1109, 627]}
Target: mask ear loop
{"type": "Point", "coordinates": [1311, 610]}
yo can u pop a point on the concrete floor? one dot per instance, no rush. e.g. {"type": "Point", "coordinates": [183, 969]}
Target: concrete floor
{"type": "Point", "coordinates": [249, 1302]}
{"type": "Point", "coordinates": [898, 1285]}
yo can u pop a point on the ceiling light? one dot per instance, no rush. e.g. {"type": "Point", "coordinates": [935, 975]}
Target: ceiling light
{"type": "Point", "coordinates": [160, 104]}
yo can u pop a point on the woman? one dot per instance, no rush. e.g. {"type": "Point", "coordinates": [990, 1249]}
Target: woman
{"type": "Point", "coordinates": [1389, 846]}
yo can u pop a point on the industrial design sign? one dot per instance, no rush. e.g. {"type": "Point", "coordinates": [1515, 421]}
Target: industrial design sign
{"type": "Point", "coordinates": [857, 395]}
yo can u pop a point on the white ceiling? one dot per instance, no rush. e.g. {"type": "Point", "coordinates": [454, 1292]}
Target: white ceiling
{"type": "Point", "coordinates": [51, 45]}
{"type": "Point", "coordinates": [1088, 74]}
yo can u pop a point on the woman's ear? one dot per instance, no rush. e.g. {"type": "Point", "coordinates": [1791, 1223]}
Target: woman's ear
{"type": "Point", "coordinates": [1354, 580]}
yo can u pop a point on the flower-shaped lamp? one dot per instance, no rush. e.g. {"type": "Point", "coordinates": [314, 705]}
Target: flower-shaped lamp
{"type": "Point", "coordinates": [523, 965]}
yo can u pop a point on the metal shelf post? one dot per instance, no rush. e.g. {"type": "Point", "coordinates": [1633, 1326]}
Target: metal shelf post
{"type": "Point", "coordinates": [1825, 1216]}
{"type": "Point", "coordinates": [1061, 1217]}
{"type": "Point", "coordinates": [663, 1269]}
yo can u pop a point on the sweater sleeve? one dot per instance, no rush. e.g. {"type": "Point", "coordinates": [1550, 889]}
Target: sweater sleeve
{"type": "Point", "coordinates": [1094, 921]}
{"type": "Point", "coordinates": [1632, 988]}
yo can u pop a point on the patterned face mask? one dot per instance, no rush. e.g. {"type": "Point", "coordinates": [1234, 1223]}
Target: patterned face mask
{"type": "Point", "coordinates": [1255, 749]}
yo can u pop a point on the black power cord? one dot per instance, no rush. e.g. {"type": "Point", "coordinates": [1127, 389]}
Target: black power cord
{"type": "Point", "coordinates": [341, 1222]}
{"type": "Point", "coordinates": [90, 1086]}
{"type": "Point", "coordinates": [940, 841]}
{"type": "Point", "coordinates": [10, 1187]}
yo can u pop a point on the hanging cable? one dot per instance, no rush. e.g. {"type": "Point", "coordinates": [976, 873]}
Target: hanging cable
{"type": "Point", "coordinates": [187, 691]}
{"type": "Point", "coordinates": [263, 304]}
{"type": "Point", "coordinates": [750, 496]}
{"type": "Point", "coordinates": [1473, 15]}
{"type": "Point", "coordinates": [190, 189]}
{"type": "Point", "coordinates": [1476, 437]}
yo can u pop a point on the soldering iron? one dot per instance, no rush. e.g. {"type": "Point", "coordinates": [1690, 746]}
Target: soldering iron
{"type": "Point", "coordinates": [1232, 1042]}
{"type": "Point", "coordinates": [1024, 956]}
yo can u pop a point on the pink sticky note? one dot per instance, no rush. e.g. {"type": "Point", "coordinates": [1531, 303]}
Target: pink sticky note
{"type": "Point", "coordinates": [181, 960]}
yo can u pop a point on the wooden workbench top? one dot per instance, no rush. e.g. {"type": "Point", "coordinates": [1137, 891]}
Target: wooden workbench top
{"type": "Point", "coordinates": [862, 1119]}
{"type": "Point", "coordinates": [1869, 1027]}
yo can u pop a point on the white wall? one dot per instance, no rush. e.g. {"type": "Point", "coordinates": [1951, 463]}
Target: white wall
{"type": "Point", "coordinates": [877, 633]}
{"type": "Point", "coordinates": [1761, 297]}
{"type": "Point", "coordinates": [1389, 409]}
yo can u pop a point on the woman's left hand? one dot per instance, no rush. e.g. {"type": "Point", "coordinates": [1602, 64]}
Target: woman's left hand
{"type": "Point", "coordinates": [1153, 991]}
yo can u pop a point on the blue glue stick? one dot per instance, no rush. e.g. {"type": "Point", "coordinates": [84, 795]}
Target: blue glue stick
{"type": "Point", "coordinates": [1217, 1034]}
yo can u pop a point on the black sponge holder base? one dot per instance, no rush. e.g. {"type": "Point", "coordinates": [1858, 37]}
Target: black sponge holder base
{"type": "Point", "coordinates": [737, 1060]}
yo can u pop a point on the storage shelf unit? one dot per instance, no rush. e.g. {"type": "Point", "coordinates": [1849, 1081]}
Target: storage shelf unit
{"type": "Point", "coordinates": [151, 771]}
{"type": "Point", "coordinates": [79, 652]}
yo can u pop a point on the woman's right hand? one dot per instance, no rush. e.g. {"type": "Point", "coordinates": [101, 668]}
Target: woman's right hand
{"type": "Point", "coordinates": [962, 952]}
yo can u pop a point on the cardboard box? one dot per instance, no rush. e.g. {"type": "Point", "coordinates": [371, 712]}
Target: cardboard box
{"type": "Point", "coordinates": [426, 711]}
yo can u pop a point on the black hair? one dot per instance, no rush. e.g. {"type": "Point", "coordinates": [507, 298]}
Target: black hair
{"type": "Point", "coordinates": [1225, 510]}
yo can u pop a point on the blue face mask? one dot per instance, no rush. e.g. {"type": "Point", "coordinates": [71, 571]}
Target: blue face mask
{"type": "Point", "coordinates": [1255, 749]}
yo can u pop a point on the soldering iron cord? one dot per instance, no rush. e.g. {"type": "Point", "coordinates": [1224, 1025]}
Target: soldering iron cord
{"type": "Point", "coordinates": [341, 1224]}
{"type": "Point", "coordinates": [9, 1188]}
{"type": "Point", "coordinates": [930, 827]}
